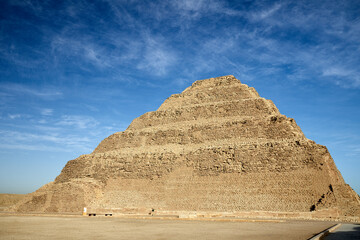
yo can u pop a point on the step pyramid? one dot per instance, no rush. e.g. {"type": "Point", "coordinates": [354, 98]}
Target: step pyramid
{"type": "Point", "coordinates": [216, 147]}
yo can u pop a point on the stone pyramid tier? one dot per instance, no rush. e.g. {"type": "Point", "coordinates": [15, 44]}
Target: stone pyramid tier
{"type": "Point", "coordinates": [216, 147]}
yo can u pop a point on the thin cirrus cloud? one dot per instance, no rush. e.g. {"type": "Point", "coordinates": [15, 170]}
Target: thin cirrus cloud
{"type": "Point", "coordinates": [255, 40]}
{"type": "Point", "coordinates": [85, 48]}
{"type": "Point", "coordinates": [265, 13]}
{"type": "Point", "coordinates": [13, 89]}
{"type": "Point", "coordinates": [17, 136]}
{"type": "Point", "coordinates": [82, 122]}
{"type": "Point", "coordinates": [254, 36]}
{"type": "Point", "coordinates": [158, 57]}
{"type": "Point", "coordinates": [47, 112]}
{"type": "Point", "coordinates": [14, 116]}
{"type": "Point", "coordinates": [69, 134]}
{"type": "Point", "coordinates": [339, 72]}
{"type": "Point", "coordinates": [44, 142]}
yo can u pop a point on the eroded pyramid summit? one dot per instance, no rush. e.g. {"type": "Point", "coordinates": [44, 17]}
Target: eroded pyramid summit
{"type": "Point", "coordinates": [216, 147]}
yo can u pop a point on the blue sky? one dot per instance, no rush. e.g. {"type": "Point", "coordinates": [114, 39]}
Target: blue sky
{"type": "Point", "coordinates": [74, 72]}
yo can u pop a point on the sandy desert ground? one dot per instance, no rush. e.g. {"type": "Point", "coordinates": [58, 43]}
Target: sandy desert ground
{"type": "Point", "coordinates": [62, 227]}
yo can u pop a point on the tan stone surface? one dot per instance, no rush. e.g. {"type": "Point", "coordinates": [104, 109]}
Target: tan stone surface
{"type": "Point", "coordinates": [216, 147]}
{"type": "Point", "coordinates": [21, 227]}
{"type": "Point", "coordinates": [7, 200]}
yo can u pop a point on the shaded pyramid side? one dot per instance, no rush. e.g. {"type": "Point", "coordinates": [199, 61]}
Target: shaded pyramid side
{"type": "Point", "coordinates": [217, 146]}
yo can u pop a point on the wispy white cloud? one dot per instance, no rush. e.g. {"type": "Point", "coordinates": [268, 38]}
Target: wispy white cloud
{"type": "Point", "coordinates": [13, 89]}
{"type": "Point", "coordinates": [34, 6]}
{"type": "Point", "coordinates": [92, 108]}
{"type": "Point", "coordinates": [142, 50]}
{"type": "Point", "coordinates": [39, 142]}
{"type": "Point", "coordinates": [70, 133]}
{"type": "Point", "coordinates": [83, 48]}
{"type": "Point", "coordinates": [158, 57]}
{"type": "Point", "coordinates": [265, 13]}
{"type": "Point", "coordinates": [191, 10]}
{"type": "Point", "coordinates": [14, 116]}
{"type": "Point", "coordinates": [220, 45]}
{"type": "Point", "coordinates": [34, 147]}
{"type": "Point", "coordinates": [81, 122]}
{"type": "Point", "coordinates": [336, 71]}
{"type": "Point", "coordinates": [44, 141]}
{"type": "Point", "coordinates": [190, 5]}
{"type": "Point", "coordinates": [47, 112]}
{"type": "Point", "coordinates": [342, 76]}
{"type": "Point", "coordinates": [42, 121]}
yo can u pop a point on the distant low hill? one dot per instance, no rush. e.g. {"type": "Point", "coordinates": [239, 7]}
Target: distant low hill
{"type": "Point", "coordinates": [7, 200]}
